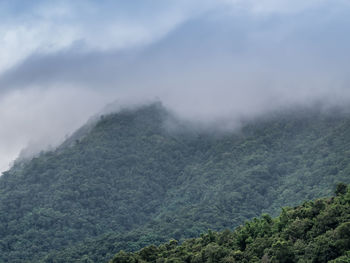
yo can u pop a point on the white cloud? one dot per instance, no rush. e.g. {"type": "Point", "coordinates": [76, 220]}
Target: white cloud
{"type": "Point", "coordinates": [224, 63]}
{"type": "Point", "coordinates": [38, 117]}
{"type": "Point", "coordinates": [283, 6]}
{"type": "Point", "coordinates": [267, 7]}
{"type": "Point", "coordinates": [49, 27]}
{"type": "Point", "coordinates": [19, 41]}
{"type": "Point", "coordinates": [52, 27]}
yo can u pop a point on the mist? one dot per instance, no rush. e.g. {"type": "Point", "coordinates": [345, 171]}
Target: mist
{"type": "Point", "coordinates": [207, 61]}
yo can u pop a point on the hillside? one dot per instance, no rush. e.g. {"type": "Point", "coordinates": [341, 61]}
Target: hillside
{"type": "Point", "coordinates": [129, 181]}
{"type": "Point", "coordinates": [316, 231]}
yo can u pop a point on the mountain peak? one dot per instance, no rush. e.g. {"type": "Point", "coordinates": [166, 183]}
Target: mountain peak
{"type": "Point", "coordinates": [128, 177]}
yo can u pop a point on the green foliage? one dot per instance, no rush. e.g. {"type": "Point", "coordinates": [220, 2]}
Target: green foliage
{"type": "Point", "coordinates": [135, 178]}
{"type": "Point", "coordinates": [341, 189]}
{"type": "Point", "coordinates": [265, 240]}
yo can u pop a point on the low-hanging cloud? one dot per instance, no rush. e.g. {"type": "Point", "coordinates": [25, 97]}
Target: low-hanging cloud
{"type": "Point", "coordinates": [206, 60]}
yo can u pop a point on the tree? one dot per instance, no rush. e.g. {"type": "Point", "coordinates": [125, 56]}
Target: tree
{"type": "Point", "coordinates": [341, 189]}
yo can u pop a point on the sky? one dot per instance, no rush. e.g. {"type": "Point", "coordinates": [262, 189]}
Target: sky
{"type": "Point", "coordinates": [61, 62]}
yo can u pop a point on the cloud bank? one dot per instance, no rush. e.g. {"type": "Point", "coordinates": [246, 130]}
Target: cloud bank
{"type": "Point", "coordinates": [61, 61]}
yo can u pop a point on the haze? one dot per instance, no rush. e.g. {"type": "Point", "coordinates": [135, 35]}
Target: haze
{"type": "Point", "coordinates": [63, 61]}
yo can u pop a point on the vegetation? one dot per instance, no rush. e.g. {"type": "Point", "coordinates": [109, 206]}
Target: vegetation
{"type": "Point", "coordinates": [130, 181]}
{"type": "Point", "coordinates": [316, 231]}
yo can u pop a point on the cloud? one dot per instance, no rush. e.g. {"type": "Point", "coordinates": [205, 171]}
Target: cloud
{"type": "Point", "coordinates": [206, 60]}
{"type": "Point", "coordinates": [283, 7]}
{"type": "Point", "coordinates": [38, 117]}
{"type": "Point", "coordinates": [47, 27]}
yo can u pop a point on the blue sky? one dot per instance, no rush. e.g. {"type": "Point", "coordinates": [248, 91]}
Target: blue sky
{"type": "Point", "coordinates": [62, 61]}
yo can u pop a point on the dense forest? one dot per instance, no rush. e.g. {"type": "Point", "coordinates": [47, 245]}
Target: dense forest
{"type": "Point", "coordinates": [316, 231]}
{"type": "Point", "coordinates": [141, 177]}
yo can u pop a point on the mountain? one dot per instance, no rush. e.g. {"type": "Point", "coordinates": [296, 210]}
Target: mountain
{"type": "Point", "coordinates": [316, 231]}
{"type": "Point", "coordinates": [140, 177]}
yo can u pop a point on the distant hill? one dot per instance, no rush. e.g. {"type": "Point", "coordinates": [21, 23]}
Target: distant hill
{"type": "Point", "coordinates": [129, 181]}
{"type": "Point", "coordinates": [316, 231]}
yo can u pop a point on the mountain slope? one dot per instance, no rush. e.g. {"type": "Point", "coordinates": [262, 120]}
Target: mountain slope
{"type": "Point", "coordinates": [316, 231]}
{"type": "Point", "coordinates": [134, 181]}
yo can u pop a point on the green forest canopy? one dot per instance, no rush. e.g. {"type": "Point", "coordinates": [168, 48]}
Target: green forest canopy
{"type": "Point", "coordinates": [316, 231]}
{"type": "Point", "coordinates": [127, 181]}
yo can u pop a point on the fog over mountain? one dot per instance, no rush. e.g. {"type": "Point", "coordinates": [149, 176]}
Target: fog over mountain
{"type": "Point", "coordinates": [62, 62]}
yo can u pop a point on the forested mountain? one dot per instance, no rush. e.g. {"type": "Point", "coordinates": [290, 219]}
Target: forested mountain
{"type": "Point", "coordinates": [316, 231]}
{"type": "Point", "coordinates": [130, 181]}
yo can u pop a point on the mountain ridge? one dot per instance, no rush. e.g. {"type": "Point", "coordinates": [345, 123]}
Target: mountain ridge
{"type": "Point", "coordinates": [131, 178]}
